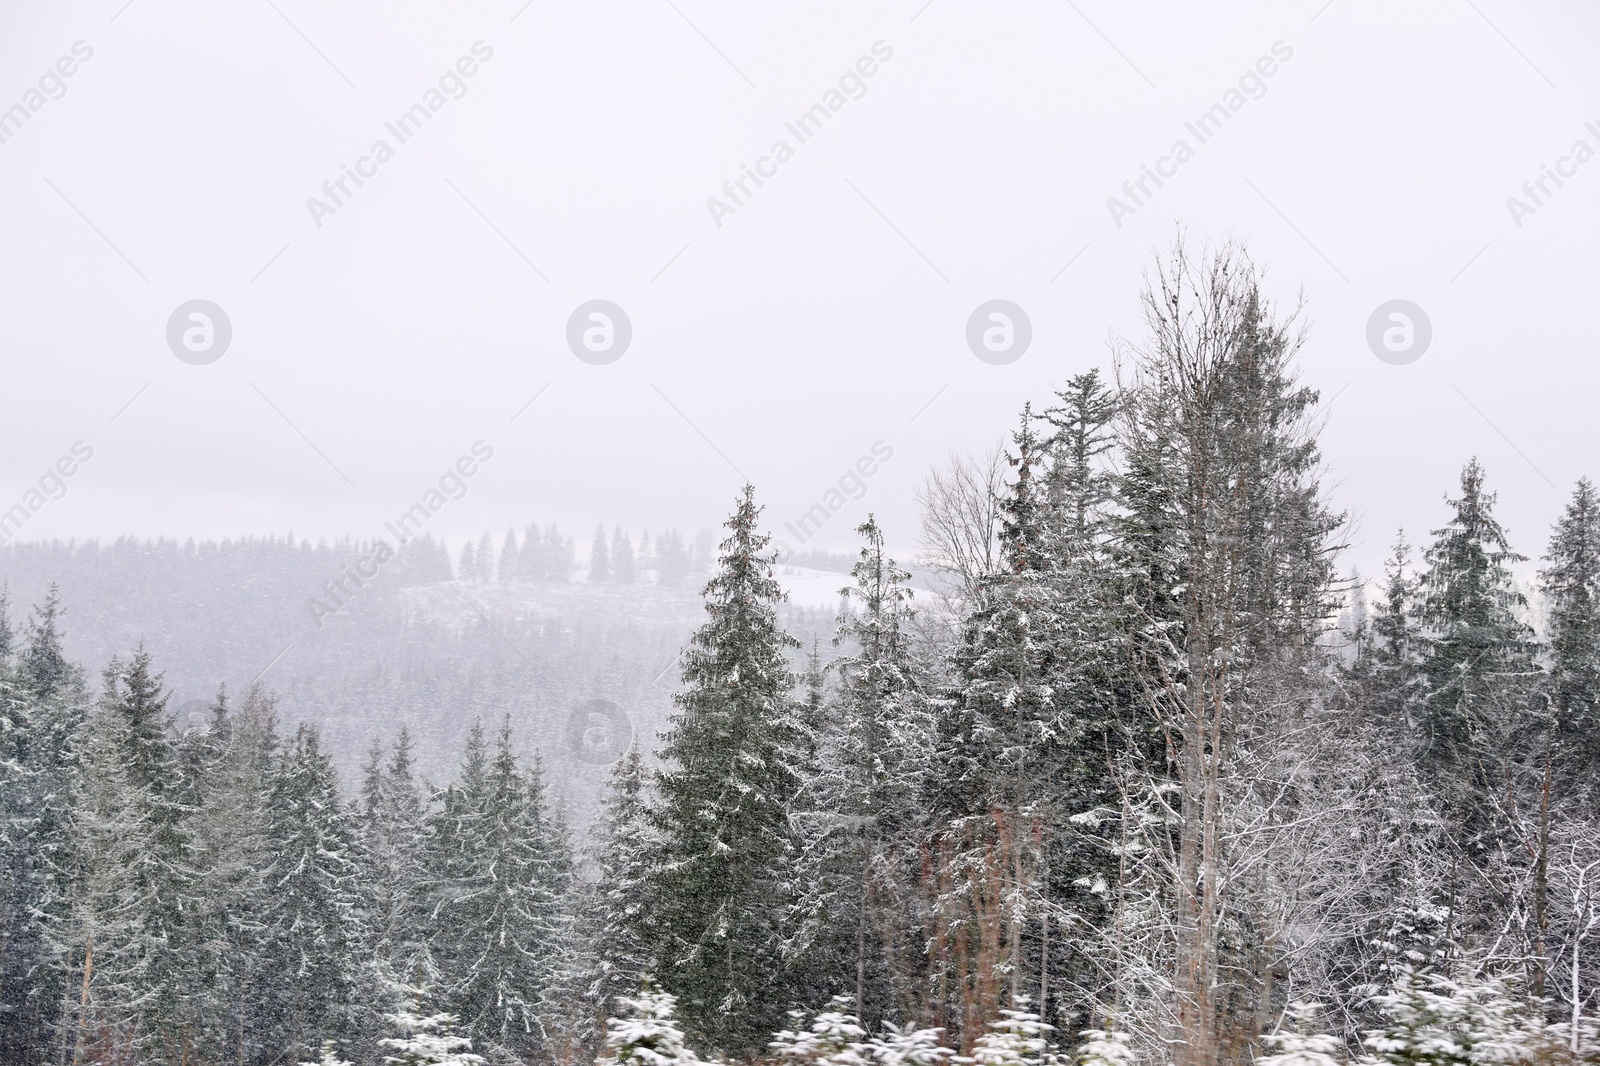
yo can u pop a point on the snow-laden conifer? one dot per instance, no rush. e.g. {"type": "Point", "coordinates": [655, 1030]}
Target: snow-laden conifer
{"type": "Point", "coordinates": [616, 923]}
{"type": "Point", "coordinates": [1015, 1038]}
{"type": "Point", "coordinates": [1570, 580]}
{"type": "Point", "coordinates": [428, 1040]}
{"type": "Point", "coordinates": [648, 1035]}
{"type": "Point", "coordinates": [860, 815]}
{"type": "Point", "coordinates": [1105, 1047]}
{"type": "Point", "coordinates": [313, 960]}
{"type": "Point", "coordinates": [834, 1038]}
{"type": "Point", "coordinates": [1297, 1043]}
{"type": "Point", "coordinates": [724, 881]}
{"type": "Point", "coordinates": [497, 912]}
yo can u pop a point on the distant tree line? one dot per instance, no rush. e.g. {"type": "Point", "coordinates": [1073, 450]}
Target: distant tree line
{"type": "Point", "coordinates": [667, 560]}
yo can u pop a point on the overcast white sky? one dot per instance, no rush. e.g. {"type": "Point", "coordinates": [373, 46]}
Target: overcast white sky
{"type": "Point", "coordinates": [824, 314]}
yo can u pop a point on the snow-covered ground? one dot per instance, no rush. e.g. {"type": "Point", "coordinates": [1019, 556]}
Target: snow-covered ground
{"type": "Point", "coordinates": [812, 588]}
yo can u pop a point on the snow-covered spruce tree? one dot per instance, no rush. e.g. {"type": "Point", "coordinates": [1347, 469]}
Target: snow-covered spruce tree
{"type": "Point", "coordinates": [312, 941]}
{"type": "Point", "coordinates": [1486, 746]}
{"type": "Point", "coordinates": [648, 1035]}
{"type": "Point", "coordinates": [485, 559]}
{"type": "Point", "coordinates": [137, 891]}
{"type": "Point", "coordinates": [1015, 1038]}
{"type": "Point", "coordinates": [569, 1025]}
{"type": "Point", "coordinates": [599, 557]}
{"type": "Point", "coordinates": [1226, 548]}
{"type": "Point", "coordinates": [907, 1045]}
{"type": "Point", "coordinates": [723, 881]}
{"type": "Point", "coordinates": [856, 926]}
{"type": "Point", "coordinates": [672, 559]}
{"type": "Point", "coordinates": [1079, 485]}
{"type": "Point", "coordinates": [428, 1040]}
{"type": "Point", "coordinates": [393, 855]}
{"type": "Point", "coordinates": [1093, 693]}
{"type": "Point", "coordinates": [644, 556]}
{"type": "Point", "coordinates": [615, 921]}
{"type": "Point", "coordinates": [1437, 1021]}
{"type": "Point", "coordinates": [229, 830]}
{"type": "Point", "coordinates": [531, 562]}
{"type": "Point", "coordinates": [998, 735]}
{"type": "Point", "coordinates": [20, 942]}
{"type": "Point", "coordinates": [196, 749]}
{"type": "Point", "coordinates": [813, 715]}
{"type": "Point", "coordinates": [1105, 1047]}
{"type": "Point", "coordinates": [1405, 909]}
{"type": "Point", "coordinates": [560, 557]}
{"type": "Point", "coordinates": [1478, 663]}
{"type": "Point", "coordinates": [1390, 651]}
{"type": "Point", "coordinates": [1570, 580]}
{"type": "Point", "coordinates": [97, 938]}
{"type": "Point", "coordinates": [48, 708]}
{"type": "Point", "coordinates": [509, 564]}
{"type": "Point", "coordinates": [453, 841]}
{"type": "Point", "coordinates": [622, 558]}
{"type": "Point", "coordinates": [501, 913]}
{"type": "Point", "coordinates": [834, 1038]}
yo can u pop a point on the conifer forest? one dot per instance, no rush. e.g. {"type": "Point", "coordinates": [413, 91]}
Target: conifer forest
{"type": "Point", "coordinates": [1111, 760]}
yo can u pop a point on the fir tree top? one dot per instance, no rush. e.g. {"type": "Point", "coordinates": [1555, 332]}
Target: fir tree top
{"type": "Point", "coordinates": [1468, 583]}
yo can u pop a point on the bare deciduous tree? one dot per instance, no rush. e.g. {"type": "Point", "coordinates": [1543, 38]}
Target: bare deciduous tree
{"type": "Point", "coordinates": [960, 505]}
{"type": "Point", "coordinates": [1232, 573]}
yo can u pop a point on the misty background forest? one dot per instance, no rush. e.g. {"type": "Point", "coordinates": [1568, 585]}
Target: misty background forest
{"type": "Point", "coordinates": [1134, 770]}
{"type": "Point", "coordinates": [434, 642]}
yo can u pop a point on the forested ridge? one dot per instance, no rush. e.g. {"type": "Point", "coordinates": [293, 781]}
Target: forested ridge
{"type": "Point", "coordinates": [1120, 790]}
{"type": "Point", "coordinates": [518, 625]}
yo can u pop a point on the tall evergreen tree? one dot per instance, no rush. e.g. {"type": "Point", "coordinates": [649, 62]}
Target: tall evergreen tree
{"type": "Point", "coordinates": [7, 634]}
{"type": "Point", "coordinates": [313, 966]}
{"type": "Point", "coordinates": [1571, 583]}
{"type": "Point", "coordinates": [1392, 648]}
{"type": "Point", "coordinates": [1478, 665]}
{"type": "Point", "coordinates": [231, 858]}
{"type": "Point", "coordinates": [616, 924]}
{"type": "Point", "coordinates": [560, 559]}
{"type": "Point", "coordinates": [622, 559]}
{"type": "Point", "coordinates": [394, 861]}
{"type": "Point", "coordinates": [43, 665]}
{"type": "Point", "coordinates": [1077, 486]}
{"type": "Point", "coordinates": [672, 559]}
{"type": "Point", "coordinates": [454, 861]}
{"type": "Point", "coordinates": [599, 557]}
{"type": "Point", "coordinates": [136, 891]}
{"type": "Point", "coordinates": [999, 733]}
{"type": "Point", "coordinates": [47, 710]}
{"type": "Point", "coordinates": [503, 901]}
{"type": "Point", "coordinates": [509, 558]}
{"type": "Point", "coordinates": [1094, 697]}
{"type": "Point", "coordinates": [720, 888]}
{"type": "Point", "coordinates": [857, 918]}
{"type": "Point", "coordinates": [531, 559]}
{"type": "Point", "coordinates": [16, 784]}
{"type": "Point", "coordinates": [484, 560]}
{"type": "Point", "coordinates": [22, 1017]}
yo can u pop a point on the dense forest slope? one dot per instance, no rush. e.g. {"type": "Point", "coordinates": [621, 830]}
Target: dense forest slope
{"type": "Point", "coordinates": [427, 643]}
